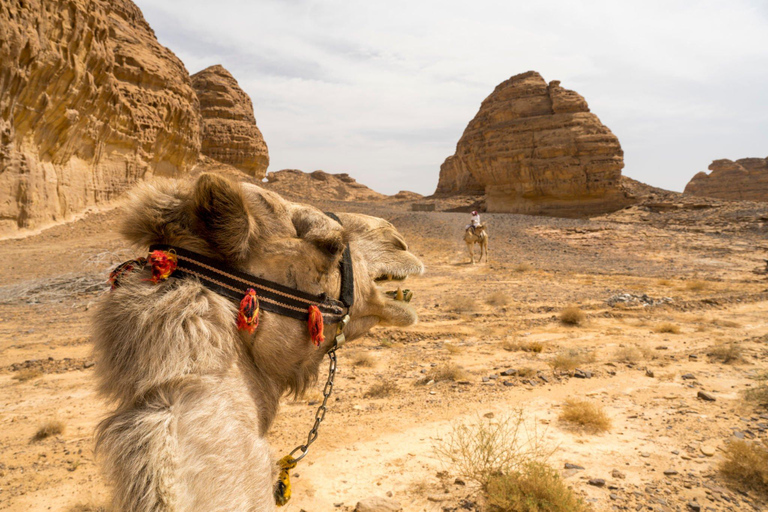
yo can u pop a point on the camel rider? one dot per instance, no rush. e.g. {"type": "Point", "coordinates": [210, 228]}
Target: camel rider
{"type": "Point", "coordinates": [474, 221]}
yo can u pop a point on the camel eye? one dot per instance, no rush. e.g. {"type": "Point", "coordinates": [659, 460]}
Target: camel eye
{"type": "Point", "coordinates": [332, 246]}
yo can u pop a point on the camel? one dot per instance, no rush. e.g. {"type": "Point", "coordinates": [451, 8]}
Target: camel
{"type": "Point", "coordinates": [480, 236]}
{"type": "Point", "coordinates": [193, 396]}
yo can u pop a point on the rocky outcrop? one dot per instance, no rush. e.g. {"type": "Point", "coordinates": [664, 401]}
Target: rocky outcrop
{"type": "Point", "coordinates": [90, 103]}
{"type": "Point", "coordinates": [454, 179]}
{"type": "Point", "coordinates": [745, 179]}
{"type": "Point", "coordinates": [535, 148]}
{"type": "Point", "coordinates": [229, 133]}
{"type": "Point", "coordinates": [296, 184]}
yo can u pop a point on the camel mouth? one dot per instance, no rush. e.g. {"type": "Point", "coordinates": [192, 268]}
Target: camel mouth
{"type": "Point", "coordinates": [390, 277]}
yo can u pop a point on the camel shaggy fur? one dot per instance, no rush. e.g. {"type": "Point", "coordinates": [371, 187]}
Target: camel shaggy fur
{"type": "Point", "coordinates": [194, 397]}
{"type": "Point", "coordinates": [480, 236]}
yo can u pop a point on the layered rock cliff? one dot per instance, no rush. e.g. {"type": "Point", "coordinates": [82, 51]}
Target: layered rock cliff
{"type": "Point", "coordinates": [535, 148]}
{"type": "Point", "coordinates": [230, 134]}
{"type": "Point", "coordinates": [744, 179]}
{"type": "Point", "coordinates": [296, 184]}
{"type": "Point", "coordinates": [90, 103]}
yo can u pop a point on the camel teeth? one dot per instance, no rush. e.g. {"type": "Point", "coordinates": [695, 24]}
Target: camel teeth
{"type": "Point", "coordinates": [399, 294]}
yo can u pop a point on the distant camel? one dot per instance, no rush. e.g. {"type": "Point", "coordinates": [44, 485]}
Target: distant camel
{"type": "Point", "coordinates": [194, 396]}
{"type": "Point", "coordinates": [480, 236]}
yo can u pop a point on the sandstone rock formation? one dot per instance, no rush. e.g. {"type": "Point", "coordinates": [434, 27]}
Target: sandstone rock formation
{"type": "Point", "coordinates": [535, 148]}
{"type": "Point", "coordinates": [229, 129]}
{"type": "Point", "coordinates": [90, 103]}
{"type": "Point", "coordinates": [454, 179]}
{"type": "Point", "coordinates": [296, 184]}
{"type": "Point", "coordinates": [744, 179]}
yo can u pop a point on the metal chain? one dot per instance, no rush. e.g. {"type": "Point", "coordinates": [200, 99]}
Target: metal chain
{"type": "Point", "coordinates": [320, 414]}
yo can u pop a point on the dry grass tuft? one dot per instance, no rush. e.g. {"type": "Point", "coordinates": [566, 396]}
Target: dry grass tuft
{"type": "Point", "coordinates": [27, 374]}
{"type": "Point", "coordinates": [461, 304]}
{"type": "Point", "coordinates": [586, 415]}
{"type": "Point", "coordinates": [664, 282]}
{"type": "Point", "coordinates": [725, 323]}
{"type": "Point", "coordinates": [696, 285]}
{"type": "Point", "coordinates": [728, 353]}
{"type": "Point", "coordinates": [526, 372]}
{"type": "Point", "coordinates": [48, 429]}
{"type": "Point", "coordinates": [633, 354]}
{"type": "Point", "coordinates": [667, 327]}
{"type": "Point", "coordinates": [444, 372]}
{"type": "Point", "coordinates": [572, 359]}
{"type": "Point", "coordinates": [758, 395]}
{"type": "Point", "coordinates": [522, 267]}
{"type": "Point", "coordinates": [363, 359]}
{"type": "Point", "coordinates": [382, 390]}
{"type": "Point", "coordinates": [453, 349]}
{"type": "Point", "coordinates": [746, 465]}
{"type": "Point", "coordinates": [572, 315]}
{"type": "Point", "coordinates": [536, 487]}
{"type": "Point", "coordinates": [523, 346]}
{"type": "Point", "coordinates": [385, 343]}
{"type": "Point", "coordinates": [498, 299]}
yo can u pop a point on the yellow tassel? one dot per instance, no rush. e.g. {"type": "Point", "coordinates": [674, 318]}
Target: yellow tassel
{"type": "Point", "coordinates": [283, 486]}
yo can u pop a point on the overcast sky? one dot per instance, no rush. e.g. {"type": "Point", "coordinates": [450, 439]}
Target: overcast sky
{"type": "Point", "coordinates": [383, 90]}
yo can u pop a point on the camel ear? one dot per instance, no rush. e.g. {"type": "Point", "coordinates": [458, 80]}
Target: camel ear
{"type": "Point", "coordinates": [223, 219]}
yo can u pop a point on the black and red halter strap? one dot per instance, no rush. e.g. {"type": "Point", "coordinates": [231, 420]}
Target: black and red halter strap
{"type": "Point", "coordinates": [234, 284]}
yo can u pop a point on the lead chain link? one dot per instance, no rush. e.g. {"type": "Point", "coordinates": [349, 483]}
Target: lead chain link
{"type": "Point", "coordinates": [320, 413]}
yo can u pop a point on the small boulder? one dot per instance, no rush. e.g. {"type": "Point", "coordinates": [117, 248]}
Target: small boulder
{"type": "Point", "coordinates": [706, 396]}
{"type": "Point", "coordinates": [378, 504]}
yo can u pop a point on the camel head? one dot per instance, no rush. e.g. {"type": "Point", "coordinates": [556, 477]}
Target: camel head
{"type": "Point", "coordinates": [292, 244]}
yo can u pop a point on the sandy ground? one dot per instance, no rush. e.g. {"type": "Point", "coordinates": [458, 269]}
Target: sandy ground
{"type": "Point", "coordinates": [470, 316]}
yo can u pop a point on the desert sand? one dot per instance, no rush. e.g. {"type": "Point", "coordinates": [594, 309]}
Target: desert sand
{"type": "Point", "coordinates": [647, 360]}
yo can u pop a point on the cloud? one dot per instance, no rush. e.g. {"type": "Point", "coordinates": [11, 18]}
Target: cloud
{"type": "Point", "coordinates": [383, 90]}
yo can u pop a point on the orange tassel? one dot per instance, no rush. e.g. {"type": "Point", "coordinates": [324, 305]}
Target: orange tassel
{"type": "Point", "coordinates": [163, 264]}
{"type": "Point", "coordinates": [316, 325]}
{"type": "Point", "coordinates": [248, 316]}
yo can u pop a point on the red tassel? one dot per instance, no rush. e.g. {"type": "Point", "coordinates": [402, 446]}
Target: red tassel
{"type": "Point", "coordinates": [316, 325]}
{"type": "Point", "coordinates": [248, 316]}
{"type": "Point", "coordinates": [163, 264]}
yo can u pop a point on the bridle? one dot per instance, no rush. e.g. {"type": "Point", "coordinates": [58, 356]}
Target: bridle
{"type": "Point", "coordinates": [171, 261]}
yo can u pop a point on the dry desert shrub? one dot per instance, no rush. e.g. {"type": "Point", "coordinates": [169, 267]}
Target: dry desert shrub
{"type": "Point", "coordinates": [453, 349]}
{"type": "Point", "coordinates": [485, 447]}
{"type": "Point", "coordinates": [667, 327]}
{"type": "Point", "coordinates": [696, 285]}
{"type": "Point", "coordinates": [632, 354]}
{"type": "Point", "coordinates": [526, 372]}
{"type": "Point", "coordinates": [586, 415]}
{"type": "Point", "coordinates": [522, 267]}
{"type": "Point", "coordinates": [48, 429]}
{"type": "Point", "coordinates": [758, 395]}
{"type": "Point", "coordinates": [498, 299]}
{"type": "Point", "coordinates": [461, 304]}
{"type": "Point", "coordinates": [27, 374]}
{"type": "Point", "coordinates": [381, 390]}
{"type": "Point", "coordinates": [363, 359]}
{"type": "Point", "coordinates": [385, 343]}
{"type": "Point", "coordinates": [746, 465]}
{"type": "Point", "coordinates": [572, 315]}
{"type": "Point", "coordinates": [664, 282]}
{"type": "Point", "coordinates": [523, 346]}
{"type": "Point", "coordinates": [572, 359]}
{"type": "Point", "coordinates": [444, 372]}
{"type": "Point", "coordinates": [725, 323]}
{"type": "Point", "coordinates": [727, 353]}
{"type": "Point", "coordinates": [536, 487]}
